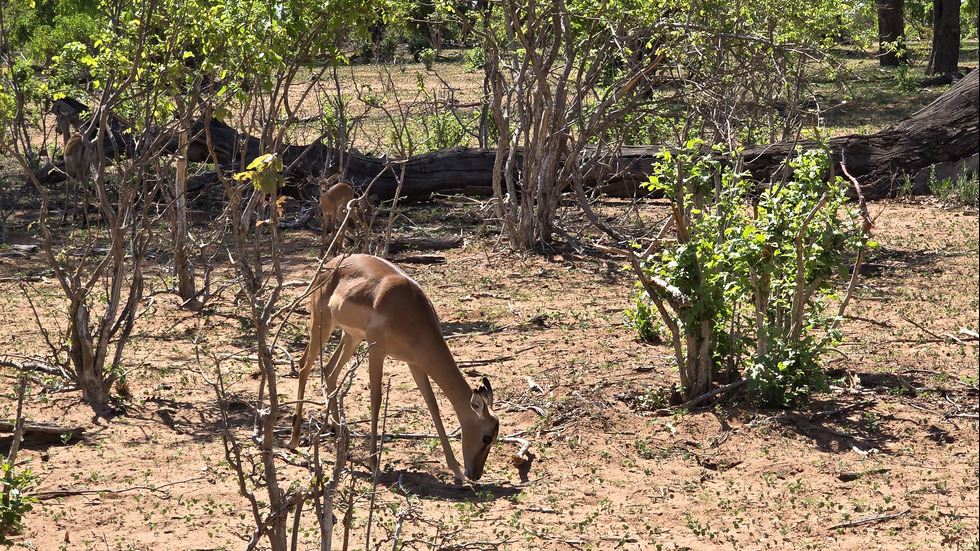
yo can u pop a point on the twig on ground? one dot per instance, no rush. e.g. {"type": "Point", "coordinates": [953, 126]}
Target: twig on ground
{"type": "Point", "coordinates": [707, 396]}
{"type": "Point", "coordinates": [942, 338]}
{"type": "Point", "coordinates": [868, 520]}
{"type": "Point", "coordinates": [511, 406]}
{"type": "Point", "coordinates": [868, 320]}
{"type": "Point", "coordinates": [63, 493]}
{"type": "Point", "coordinates": [475, 363]}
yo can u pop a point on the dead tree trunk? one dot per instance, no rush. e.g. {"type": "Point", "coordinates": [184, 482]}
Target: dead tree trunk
{"type": "Point", "coordinates": [942, 134]}
{"type": "Point", "coordinates": [945, 131]}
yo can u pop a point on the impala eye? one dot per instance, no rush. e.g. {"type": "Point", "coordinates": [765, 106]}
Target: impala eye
{"type": "Point", "coordinates": [487, 439]}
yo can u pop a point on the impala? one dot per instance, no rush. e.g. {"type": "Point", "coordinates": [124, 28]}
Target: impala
{"type": "Point", "coordinates": [333, 201]}
{"type": "Point", "coordinates": [372, 300]}
{"type": "Point", "coordinates": [76, 158]}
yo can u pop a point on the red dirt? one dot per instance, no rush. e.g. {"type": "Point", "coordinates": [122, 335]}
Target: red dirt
{"type": "Point", "coordinates": [887, 460]}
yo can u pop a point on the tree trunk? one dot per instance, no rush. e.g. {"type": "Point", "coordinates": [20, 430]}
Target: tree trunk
{"type": "Point", "coordinates": [183, 268]}
{"type": "Point", "coordinates": [89, 372]}
{"type": "Point", "coordinates": [945, 55]}
{"type": "Point", "coordinates": [891, 33]}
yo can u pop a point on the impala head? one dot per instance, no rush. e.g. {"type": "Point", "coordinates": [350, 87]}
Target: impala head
{"type": "Point", "coordinates": [479, 431]}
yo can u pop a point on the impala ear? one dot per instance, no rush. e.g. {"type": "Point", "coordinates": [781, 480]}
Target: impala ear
{"type": "Point", "coordinates": [482, 399]}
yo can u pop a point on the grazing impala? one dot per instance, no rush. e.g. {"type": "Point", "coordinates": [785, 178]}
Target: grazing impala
{"type": "Point", "coordinates": [76, 158]}
{"type": "Point", "coordinates": [334, 200]}
{"type": "Point", "coordinates": [372, 300]}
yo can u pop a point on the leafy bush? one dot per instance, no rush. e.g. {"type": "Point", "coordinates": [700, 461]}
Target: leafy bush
{"type": "Point", "coordinates": [382, 52]}
{"type": "Point", "coordinates": [46, 42]}
{"type": "Point", "coordinates": [476, 59]}
{"type": "Point", "coordinates": [14, 503]}
{"type": "Point", "coordinates": [750, 277]}
{"type": "Point", "coordinates": [642, 320]}
{"type": "Point", "coordinates": [961, 190]}
{"type": "Point", "coordinates": [427, 57]}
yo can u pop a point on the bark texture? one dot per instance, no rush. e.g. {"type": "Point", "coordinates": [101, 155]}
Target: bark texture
{"type": "Point", "coordinates": [891, 32]}
{"type": "Point", "coordinates": [945, 54]}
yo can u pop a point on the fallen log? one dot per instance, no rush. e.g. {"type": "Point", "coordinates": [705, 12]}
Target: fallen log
{"type": "Point", "coordinates": [49, 430]}
{"type": "Point", "coordinates": [945, 131]}
{"type": "Point", "coordinates": [942, 136]}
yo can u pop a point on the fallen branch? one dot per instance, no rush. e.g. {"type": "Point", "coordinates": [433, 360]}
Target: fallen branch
{"type": "Point", "coordinates": [462, 364]}
{"type": "Point", "coordinates": [837, 411]}
{"type": "Point", "coordinates": [47, 429]}
{"type": "Point", "coordinates": [868, 520]}
{"type": "Point", "coordinates": [915, 323]}
{"type": "Point", "coordinates": [708, 395]}
{"type": "Point", "coordinates": [885, 323]}
{"type": "Point", "coordinates": [64, 493]}
{"type": "Point", "coordinates": [525, 445]}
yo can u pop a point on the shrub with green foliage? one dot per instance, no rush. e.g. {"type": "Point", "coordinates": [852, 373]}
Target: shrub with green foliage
{"type": "Point", "coordinates": [14, 504]}
{"type": "Point", "coordinates": [643, 320]}
{"type": "Point", "coordinates": [962, 190]}
{"type": "Point", "coordinates": [749, 282]}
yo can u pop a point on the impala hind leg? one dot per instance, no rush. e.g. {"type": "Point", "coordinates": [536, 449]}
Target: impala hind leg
{"type": "Point", "coordinates": [339, 358]}
{"type": "Point", "coordinates": [422, 382]}
{"type": "Point", "coordinates": [342, 355]}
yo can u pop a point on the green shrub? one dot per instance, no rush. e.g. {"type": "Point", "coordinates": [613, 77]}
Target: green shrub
{"type": "Point", "coordinates": [748, 282]}
{"type": "Point", "coordinates": [960, 191]}
{"type": "Point", "coordinates": [14, 503]}
{"type": "Point", "coordinates": [476, 59]}
{"type": "Point", "coordinates": [427, 57]}
{"type": "Point", "coordinates": [644, 320]}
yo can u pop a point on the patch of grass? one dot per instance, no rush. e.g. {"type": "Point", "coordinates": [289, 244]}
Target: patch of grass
{"type": "Point", "coordinates": [867, 96]}
{"type": "Point", "coordinates": [962, 190]}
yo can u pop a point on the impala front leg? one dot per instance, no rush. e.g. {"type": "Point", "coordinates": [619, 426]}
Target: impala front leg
{"type": "Point", "coordinates": [422, 382]}
{"type": "Point", "coordinates": [345, 350]}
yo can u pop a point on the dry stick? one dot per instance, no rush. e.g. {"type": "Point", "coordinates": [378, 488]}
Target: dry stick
{"type": "Point", "coordinates": [840, 410]}
{"type": "Point", "coordinates": [297, 515]}
{"type": "Point", "coordinates": [399, 521]}
{"type": "Point", "coordinates": [866, 226]}
{"type": "Point", "coordinates": [31, 365]}
{"type": "Point", "coordinates": [284, 510]}
{"type": "Point", "coordinates": [394, 205]}
{"type": "Point", "coordinates": [63, 493]}
{"type": "Point", "coordinates": [320, 492]}
{"type": "Point", "coordinates": [712, 394]}
{"type": "Point", "coordinates": [936, 335]}
{"type": "Point", "coordinates": [342, 447]}
{"type": "Point", "coordinates": [867, 520]}
{"type": "Point", "coordinates": [885, 323]}
{"type": "Point", "coordinates": [525, 445]}
{"type": "Point", "coordinates": [801, 293]}
{"type": "Point", "coordinates": [15, 444]}
{"type": "Point", "coordinates": [670, 322]}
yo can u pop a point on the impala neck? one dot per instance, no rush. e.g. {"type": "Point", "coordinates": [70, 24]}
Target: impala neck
{"type": "Point", "coordinates": [447, 376]}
